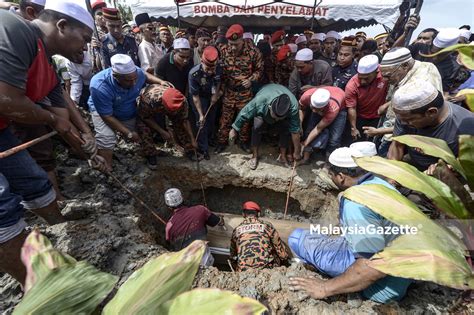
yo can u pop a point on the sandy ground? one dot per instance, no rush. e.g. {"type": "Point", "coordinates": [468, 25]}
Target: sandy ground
{"type": "Point", "coordinates": [116, 235]}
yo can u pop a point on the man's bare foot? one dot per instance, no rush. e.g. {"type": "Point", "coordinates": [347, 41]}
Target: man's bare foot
{"type": "Point", "coordinates": [253, 163]}
{"type": "Point", "coordinates": [302, 162]}
{"type": "Point", "coordinates": [283, 160]}
{"type": "Point", "coordinates": [313, 286]}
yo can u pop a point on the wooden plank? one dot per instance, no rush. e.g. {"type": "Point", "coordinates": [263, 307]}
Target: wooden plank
{"type": "Point", "coordinates": [220, 237]}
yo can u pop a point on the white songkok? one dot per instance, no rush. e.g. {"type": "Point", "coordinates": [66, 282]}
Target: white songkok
{"type": "Point", "coordinates": [38, 2]}
{"type": "Point", "coordinates": [248, 35]}
{"type": "Point", "coordinates": [466, 34]}
{"type": "Point", "coordinates": [122, 64]}
{"type": "Point", "coordinates": [71, 9]}
{"type": "Point", "coordinates": [368, 64]}
{"type": "Point", "coordinates": [396, 56]}
{"type": "Point", "coordinates": [181, 43]}
{"type": "Point", "coordinates": [300, 39]}
{"type": "Point", "coordinates": [333, 34]}
{"type": "Point", "coordinates": [447, 37]}
{"type": "Point", "coordinates": [319, 36]}
{"type": "Point", "coordinates": [304, 54]}
{"type": "Point", "coordinates": [367, 148]}
{"type": "Point", "coordinates": [342, 157]}
{"type": "Point", "coordinates": [414, 95]}
{"type": "Point", "coordinates": [320, 98]}
{"type": "Point", "coordinates": [293, 48]}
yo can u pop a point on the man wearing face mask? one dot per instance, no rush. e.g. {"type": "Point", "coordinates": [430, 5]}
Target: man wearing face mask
{"type": "Point", "coordinates": [273, 104]}
{"type": "Point", "coordinates": [242, 66]}
{"type": "Point", "coordinates": [113, 107]}
{"type": "Point", "coordinates": [204, 88]}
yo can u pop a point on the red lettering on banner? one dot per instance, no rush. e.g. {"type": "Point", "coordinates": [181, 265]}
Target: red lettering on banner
{"type": "Point", "coordinates": [266, 10]}
{"type": "Point", "coordinates": [197, 9]}
{"type": "Point", "coordinates": [226, 9]}
{"type": "Point", "coordinates": [325, 10]}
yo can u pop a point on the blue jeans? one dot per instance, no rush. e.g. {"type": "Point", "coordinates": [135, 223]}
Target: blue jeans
{"type": "Point", "coordinates": [330, 138]}
{"type": "Point", "coordinates": [206, 132]}
{"type": "Point", "coordinates": [23, 184]}
{"type": "Point", "coordinates": [330, 255]}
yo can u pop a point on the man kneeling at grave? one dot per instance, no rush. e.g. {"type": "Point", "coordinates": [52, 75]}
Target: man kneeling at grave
{"type": "Point", "coordinates": [345, 258]}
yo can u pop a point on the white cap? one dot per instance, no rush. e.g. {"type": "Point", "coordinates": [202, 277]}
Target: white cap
{"type": "Point", "coordinates": [396, 56]}
{"type": "Point", "coordinates": [447, 37]}
{"type": "Point", "coordinates": [293, 48]}
{"type": "Point", "coordinates": [71, 9]}
{"type": "Point", "coordinates": [173, 197]}
{"type": "Point", "coordinates": [181, 43]}
{"type": "Point", "coordinates": [122, 64]}
{"type": "Point", "coordinates": [320, 98]}
{"type": "Point", "coordinates": [367, 148]}
{"type": "Point", "coordinates": [319, 36]}
{"type": "Point", "coordinates": [247, 35]}
{"type": "Point", "coordinates": [466, 34]}
{"type": "Point", "coordinates": [301, 39]}
{"type": "Point", "coordinates": [414, 94]}
{"type": "Point", "coordinates": [368, 64]}
{"type": "Point", "coordinates": [304, 54]}
{"type": "Point", "coordinates": [342, 157]}
{"type": "Point", "coordinates": [333, 34]}
{"type": "Point", "coordinates": [38, 2]}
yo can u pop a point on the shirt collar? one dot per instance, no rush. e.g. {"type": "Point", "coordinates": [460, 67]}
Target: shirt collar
{"type": "Point", "coordinates": [172, 58]}
{"type": "Point", "coordinates": [364, 178]}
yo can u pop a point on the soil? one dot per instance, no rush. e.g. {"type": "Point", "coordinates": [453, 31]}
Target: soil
{"type": "Point", "coordinates": [117, 235]}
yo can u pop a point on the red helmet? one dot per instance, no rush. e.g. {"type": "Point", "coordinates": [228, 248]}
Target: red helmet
{"type": "Point", "coordinates": [250, 205]}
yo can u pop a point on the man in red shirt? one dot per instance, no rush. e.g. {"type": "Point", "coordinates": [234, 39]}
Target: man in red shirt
{"type": "Point", "coordinates": [327, 120]}
{"type": "Point", "coordinates": [28, 77]}
{"type": "Point", "coordinates": [365, 93]}
{"type": "Point", "coordinates": [187, 224]}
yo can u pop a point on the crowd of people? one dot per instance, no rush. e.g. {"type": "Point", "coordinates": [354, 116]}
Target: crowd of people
{"type": "Point", "coordinates": [326, 96]}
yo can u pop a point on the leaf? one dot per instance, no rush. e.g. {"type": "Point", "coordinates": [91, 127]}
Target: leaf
{"type": "Point", "coordinates": [417, 256]}
{"type": "Point", "coordinates": [434, 147]}
{"type": "Point", "coordinates": [39, 258]}
{"type": "Point", "coordinates": [433, 253]}
{"type": "Point", "coordinates": [76, 289]}
{"type": "Point", "coordinates": [158, 282]}
{"type": "Point", "coordinates": [466, 157]}
{"type": "Point", "coordinates": [466, 54]}
{"type": "Point", "coordinates": [469, 97]}
{"type": "Point", "coordinates": [410, 177]}
{"type": "Point", "coordinates": [214, 301]}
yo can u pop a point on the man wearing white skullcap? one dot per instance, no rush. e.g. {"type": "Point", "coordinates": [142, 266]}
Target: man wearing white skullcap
{"type": "Point", "coordinates": [464, 36]}
{"type": "Point", "coordinates": [330, 44]}
{"type": "Point", "coordinates": [30, 9]}
{"type": "Point", "coordinates": [421, 110]}
{"type": "Point", "coordinates": [301, 42]}
{"type": "Point", "coordinates": [26, 78]}
{"type": "Point", "coordinates": [447, 37]}
{"type": "Point", "coordinates": [399, 68]}
{"type": "Point", "coordinates": [345, 258]}
{"type": "Point", "coordinates": [113, 105]}
{"type": "Point", "coordinates": [175, 66]}
{"type": "Point", "coordinates": [308, 73]}
{"type": "Point", "coordinates": [365, 93]}
{"type": "Point", "coordinates": [326, 121]}
{"type": "Point", "coordinates": [316, 43]}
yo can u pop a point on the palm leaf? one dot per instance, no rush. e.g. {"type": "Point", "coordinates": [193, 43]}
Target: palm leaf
{"type": "Point", "coordinates": [434, 147]}
{"type": "Point", "coordinates": [434, 253]}
{"type": "Point", "coordinates": [150, 289]}
{"type": "Point", "coordinates": [466, 54]}
{"type": "Point", "coordinates": [410, 177]}
{"type": "Point", "coordinates": [466, 157]}
{"type": "Point", "coordinates": [76, 289]}
{"type": "Point", "coordinates": [39, 258]}
{"type": "Point", "coordinates": [469, 97]}
{"type": "Point", "coordinates": [214, 301]}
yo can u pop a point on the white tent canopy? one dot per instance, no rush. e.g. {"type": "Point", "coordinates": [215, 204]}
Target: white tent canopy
{"type": "Point", "coordinates": [265, 15]}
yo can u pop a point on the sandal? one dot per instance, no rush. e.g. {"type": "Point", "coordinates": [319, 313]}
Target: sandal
{"type": "Point", "coordinates": [253, 163]}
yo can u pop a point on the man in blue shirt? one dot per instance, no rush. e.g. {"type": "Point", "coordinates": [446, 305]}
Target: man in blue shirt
{"type": "Point", "coordinates": [115, 42]}
{"type": "Point", "coordinates": [345, 258]}
{"type": "Point", "coordinates": [204, 89]}
{"type": "Point", "coordinates": [113, 104]}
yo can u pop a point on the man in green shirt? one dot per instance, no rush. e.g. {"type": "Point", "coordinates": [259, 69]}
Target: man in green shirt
{"type": "Point", "coordinates": [273, 104]}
